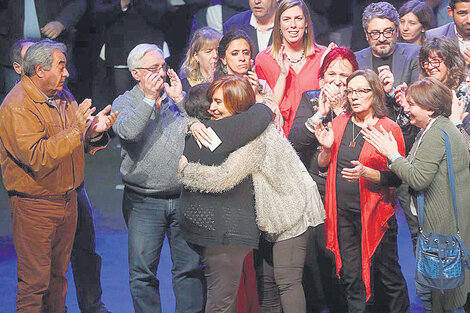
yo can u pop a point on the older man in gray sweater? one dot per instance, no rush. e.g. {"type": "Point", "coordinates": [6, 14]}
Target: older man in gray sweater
{"type": "Point", "coordinates": [150, 127]}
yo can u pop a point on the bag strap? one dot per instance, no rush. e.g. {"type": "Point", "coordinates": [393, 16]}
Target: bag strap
{"type": "Point", "coordinates": [450, 171]}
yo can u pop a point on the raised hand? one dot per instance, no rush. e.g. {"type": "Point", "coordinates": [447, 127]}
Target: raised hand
{"type": "Point", "coordinates": [382, 140]}
{"type": "Point", "coordinates": [283, 62]}
{"type": "Point", "coordinates": [325, 135]}
{"type": "Point", "coordinates": [82, 115]}
{"type": "Point", "coordinates": [457, 109]}
{"type": "Point", "coordinates": [386, 78]}
{"type": "Point", "coordinates": [53, 29]}
{"type": "Point", "coordinates": [152, 85]}
{"type": "Point", "coordinates": [400, 95]}
{"type": "Point", "coordinates": [102, 121]}
{"type": "Point", "coordinates": [333, 95]}
{"type": "Point", "coordinates": [174, 90]}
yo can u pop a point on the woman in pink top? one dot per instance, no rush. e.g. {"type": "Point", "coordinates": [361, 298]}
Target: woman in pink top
{"type": "Point", "coordinates": [291, 64]}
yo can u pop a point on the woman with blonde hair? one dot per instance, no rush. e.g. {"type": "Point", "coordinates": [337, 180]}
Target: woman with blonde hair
{"type": "Point", "coordinates": [201, 58]}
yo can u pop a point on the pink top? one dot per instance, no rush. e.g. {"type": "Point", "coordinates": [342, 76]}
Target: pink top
{"type": "Point", "coordinates": [296, 83]}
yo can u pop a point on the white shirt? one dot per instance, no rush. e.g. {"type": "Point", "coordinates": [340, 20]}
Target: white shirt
{"type": "Point", "coordinates": [263, 36]}
{"type": "Point", "coordinates": [463, 44]}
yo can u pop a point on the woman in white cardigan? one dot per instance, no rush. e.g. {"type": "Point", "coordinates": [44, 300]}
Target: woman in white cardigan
{"type": "Point", "coordinates": [288, 206]}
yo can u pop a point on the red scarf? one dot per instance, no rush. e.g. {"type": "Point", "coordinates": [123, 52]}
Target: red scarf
{"type": "Point", "coordinates": [376, 201]}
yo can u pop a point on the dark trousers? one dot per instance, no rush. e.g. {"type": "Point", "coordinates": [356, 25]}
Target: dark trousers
{"type": "Point", "coordinates": [386, 277]}
{"type": "Point", "coordinates": [280, 276]}
{"type": "Point", "coordinates": [404, 199]}
{"type": "Point", "coordinates": [43, 231]}
{"type": "Point", "coordinates": [323, 289]}
{"type": "Point", "coordinates": [86, 263]}
{"type": "Point", "coordinates": [222, 268]}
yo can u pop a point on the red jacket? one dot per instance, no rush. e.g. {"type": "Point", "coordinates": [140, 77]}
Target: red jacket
{"type": "Point", "coordinates": [376, 201]}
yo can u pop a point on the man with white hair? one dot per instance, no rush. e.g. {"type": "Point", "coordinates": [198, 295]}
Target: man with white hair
{"type": "Point", "coordinates": [150, 127]}
{"type": "Point", "coordinates": [43, 135]}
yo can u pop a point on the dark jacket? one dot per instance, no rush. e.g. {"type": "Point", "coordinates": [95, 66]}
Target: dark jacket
{"type": "Point", "coordinates": [122, 31]}
{"type": "Point", "coordinates": [447, 30]}
{"type": "Point", "coordinates": [405, 67]}
{"type": "Point", "coordinates": [242, 21]}
{"type": "Point", "coordinates": [68, 12]}
{"type": "Point", "coordinates": [228, 218]}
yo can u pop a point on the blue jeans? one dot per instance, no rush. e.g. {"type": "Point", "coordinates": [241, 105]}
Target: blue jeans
{"type": "Point", "coordinates": [148, 219]}
{"type": "Point", "coordinates": [425, 293]}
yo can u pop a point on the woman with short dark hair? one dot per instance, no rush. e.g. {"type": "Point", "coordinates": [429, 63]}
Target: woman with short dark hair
{"type": "Point", "coordinates": [425, 170]}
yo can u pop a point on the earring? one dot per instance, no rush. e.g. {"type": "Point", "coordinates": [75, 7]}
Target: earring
{"type": "Point", "coordinates": [306, 30]}
{"type": "Point", "coordinates": [224, 69]}
{"type": "Point", "coordinates": [280, 32]}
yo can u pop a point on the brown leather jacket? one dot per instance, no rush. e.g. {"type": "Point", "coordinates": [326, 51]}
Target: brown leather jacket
{"type": "Point", "coordinates": [41, 152]}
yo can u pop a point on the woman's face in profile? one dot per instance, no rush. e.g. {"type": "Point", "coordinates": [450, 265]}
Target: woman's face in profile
{"type": "Point", "coordinates": [217, 109]}
{"type": "Point", "coordinates": [237, 57]}
{"type": "Point", "coordinates": [360, 95]}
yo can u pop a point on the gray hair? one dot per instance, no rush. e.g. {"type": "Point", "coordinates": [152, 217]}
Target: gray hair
{"type": "Point", "coordinates": [380, 10]}
{"type": "Point", "coordinates": [41, 54]}
{"type": "Point", "coordinates": [136, 54]}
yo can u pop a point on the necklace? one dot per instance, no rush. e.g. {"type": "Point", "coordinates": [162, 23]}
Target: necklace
{"type": "Point", "coordinates": [352, 144]}
{"type": "Point", "coordinates": [296, 60]}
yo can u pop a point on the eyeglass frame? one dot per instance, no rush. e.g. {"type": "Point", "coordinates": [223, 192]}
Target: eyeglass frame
{"type": "Point", "coordinates": [361, 92]}
{"type": "Point", "coordinates": [434, 60]}
{"type": "Point", "coordinates": [157, 69]}
{"type": "Point", "coordinates": [376, 32]}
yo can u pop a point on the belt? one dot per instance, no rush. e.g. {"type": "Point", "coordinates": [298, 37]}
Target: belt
{"type": "Point", "coordinates": [65, 197]}
{"type": "Point", "coordinates": [162, 196]}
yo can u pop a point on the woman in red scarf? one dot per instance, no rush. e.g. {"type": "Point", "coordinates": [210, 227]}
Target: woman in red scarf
{"type": "Point", "coordinates": [361, 225]}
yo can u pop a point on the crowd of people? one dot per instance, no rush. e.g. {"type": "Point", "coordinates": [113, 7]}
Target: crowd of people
{"type": "Point", "coordinates": [267, 156]}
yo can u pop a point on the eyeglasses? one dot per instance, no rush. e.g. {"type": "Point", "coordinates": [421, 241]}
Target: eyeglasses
{"type": "Point", "coordinates": [388, 33]}
{"type": "Point", "coordinates": [153, 69]}
{"type": "Point", "coordinates": [359, 92]}
{"type": "Point", "coordinates": [433, 63]}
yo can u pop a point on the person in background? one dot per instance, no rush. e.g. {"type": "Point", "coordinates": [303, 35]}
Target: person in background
{"type": "Point", "coordinates": [293, 45]}
{"type": "Point", "coordinates": [322, 106]}
{"type": "Point", "coordinates": [416, 17]}
{"type": "Point", "coordinates": [39, 19]}
{"type": "Point", "coordinates": [150, 129]}
{"type": "Point", "coordinates": [44, 134]}
{"type": "Point", "coordinates": [458, 29]}
{"type": "Point", "coordinates": [258, 23]}
{"type": "Point", "coordinates": [387, 57]}
{"type": "Point", "coordinates": [360, 219]}
{"type": "Point", "coordinates": [201, 58]}
{"type": "Point", "coordinates": [429, 105]}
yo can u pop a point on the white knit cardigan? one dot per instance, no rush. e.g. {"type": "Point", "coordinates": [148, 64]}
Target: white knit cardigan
{"type": "Point", "coordinates": [287, 198]}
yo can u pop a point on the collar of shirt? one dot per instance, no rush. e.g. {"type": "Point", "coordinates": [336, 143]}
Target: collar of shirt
{"type": "Point", "coordinates": [463, 43]}
{"type": "Point", "coordinates": [254, 23]}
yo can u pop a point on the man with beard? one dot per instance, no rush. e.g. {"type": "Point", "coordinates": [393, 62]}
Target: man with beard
{"type": "Point", "coordinates": [459, 11]}
{"type": "Point", "coordinates": [380, 22]}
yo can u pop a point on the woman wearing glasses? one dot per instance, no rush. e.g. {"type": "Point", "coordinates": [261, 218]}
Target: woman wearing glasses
{"type": "Point", "coordinates": [441, 58]}
{"type": "Point", "coordinates": [361, 225]}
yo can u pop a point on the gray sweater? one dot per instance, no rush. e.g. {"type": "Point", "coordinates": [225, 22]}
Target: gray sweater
{"type": "Point", "coordinates": [152, 143]}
